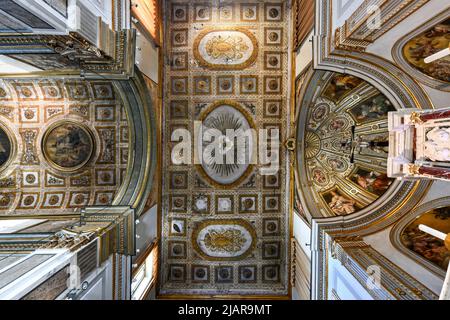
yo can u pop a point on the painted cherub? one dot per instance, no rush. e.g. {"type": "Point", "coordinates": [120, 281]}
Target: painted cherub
{"type": "Point", "coordinates": [341, 205]}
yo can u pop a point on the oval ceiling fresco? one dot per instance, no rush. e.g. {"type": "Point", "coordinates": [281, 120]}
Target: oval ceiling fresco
{"type": "Point", "coordinates": [224, 239]}
{"type": "Point", "coordinates": [226, 49]}
{"type": "Point", "coordinates": [345, 145]}
{"type": "Point", "coordinates": [234, 163]}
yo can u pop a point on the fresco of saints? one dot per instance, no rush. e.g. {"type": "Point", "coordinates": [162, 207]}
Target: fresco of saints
{"type": "Point", "coordinates": [341, 205]}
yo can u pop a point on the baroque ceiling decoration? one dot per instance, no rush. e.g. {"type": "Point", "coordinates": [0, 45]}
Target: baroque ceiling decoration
{"type": "Point", "coordinates": [346, 145]}
{"type": "Point", "coordinates": [403, 91]}
{"type": "Point", "coordinates": [226, 48]}
{"type": "Point", "coordinates": [430, 38]}
{"type": "Point", "coordinates": [222, 116]}
{"type": "Point", "coordinates": [63, 145]}
{"type": "Point", "coordinates": [224, 226]}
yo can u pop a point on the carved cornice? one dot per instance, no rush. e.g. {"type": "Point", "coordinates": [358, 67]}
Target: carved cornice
{"type": "Point", "coordinates": [390, 282]}
{"type": "Point", "coordinates": [117, 233]}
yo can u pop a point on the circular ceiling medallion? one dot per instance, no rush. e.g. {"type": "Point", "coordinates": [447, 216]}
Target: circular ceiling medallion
{"type": "Point", "coordinates": [68, 145]}
{"type": "Point", "coordinates": [7, 147]}
{"type": "Point", "coordinates": [226, 48]}
{"type": "Point", "coordinates": [234, 164]}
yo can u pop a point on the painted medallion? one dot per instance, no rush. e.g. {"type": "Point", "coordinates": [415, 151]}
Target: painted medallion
{"type": "Point", "coordinates": [224, 239]}
{"type": "Point", "coordinates": [68, 146]}
{"type": "Point", "coordinates": [226, 49]}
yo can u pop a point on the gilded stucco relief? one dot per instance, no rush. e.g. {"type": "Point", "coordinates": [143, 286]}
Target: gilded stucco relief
{"type": "Point", "coordinates": [226, 48]}
{"type": "Point", "coordinates": [63, 145]}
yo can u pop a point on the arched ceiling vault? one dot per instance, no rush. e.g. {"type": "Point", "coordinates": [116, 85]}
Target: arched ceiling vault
{"type": "Point", "coordinates": [403, 91]}
{"type": "Point", "coordinates": [70, 143]}
{"type": "Point", "coordinates": [344, 145]}
{"type": "Point", "coordinates": [399, 88]}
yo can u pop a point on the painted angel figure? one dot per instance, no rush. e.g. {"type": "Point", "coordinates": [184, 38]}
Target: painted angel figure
{"type": "Point", "coordinates": [341, 205]}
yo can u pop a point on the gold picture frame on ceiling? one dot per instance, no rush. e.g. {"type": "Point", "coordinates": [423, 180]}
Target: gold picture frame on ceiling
{"type": "Point", "coordinates": [244, 65]}
{"type": "Point", "coordinates": [55, 158]}
{"type": "Point", "coordinates": [5, 132]}
{"type": "Point", "coordinates": [355, 170]}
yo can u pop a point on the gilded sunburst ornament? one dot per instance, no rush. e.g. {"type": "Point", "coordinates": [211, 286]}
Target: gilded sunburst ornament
{"type": "Point", "coordinates": [312, 144]}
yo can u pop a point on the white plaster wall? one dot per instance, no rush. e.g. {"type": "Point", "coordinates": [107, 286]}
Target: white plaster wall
{"type": "Point", "coordinates": [342, 10]}
{"type": "Point", "coordinates": [100, 283]}
{"type": "Point", "coordinates": [302, 233]}
{"type": "Point", "coordinates": [304, 55]}
{"type": "Point", "coordinates": [438, 189]}
{"type": "Point", "coordinates": [344, 284]}
{"type": "Point", "coordinates": [147, 56]}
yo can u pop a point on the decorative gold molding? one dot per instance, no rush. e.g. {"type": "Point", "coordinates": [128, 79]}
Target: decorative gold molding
{"type": "Point", "coordinates": [13, 143]}
{"type": "Point", "coordinates": [219, 222]}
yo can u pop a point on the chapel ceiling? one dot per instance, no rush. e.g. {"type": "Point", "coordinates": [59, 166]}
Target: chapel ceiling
{"type": "Point", "coordinates": [428, 247]}
{"type": "Point", "coordinates": [345, 145]}
{"type": "Point", "coordinates": [63, 145]}
{"type": "Point", "coordinates": [225, 228]}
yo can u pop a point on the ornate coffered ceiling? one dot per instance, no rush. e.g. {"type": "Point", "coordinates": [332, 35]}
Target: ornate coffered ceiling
{"type": "Point", "coordinates": [64, 145]}
{"type": "Point", "coordinates": [225, 227]}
